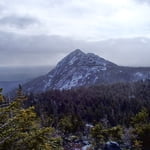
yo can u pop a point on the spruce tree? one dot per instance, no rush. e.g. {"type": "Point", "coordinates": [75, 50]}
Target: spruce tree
{"type": "Point", "coordinates": [20, 128]}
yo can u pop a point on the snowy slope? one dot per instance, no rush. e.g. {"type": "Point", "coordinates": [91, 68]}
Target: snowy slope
{"type": "Point", "coordinates": [80, 69]}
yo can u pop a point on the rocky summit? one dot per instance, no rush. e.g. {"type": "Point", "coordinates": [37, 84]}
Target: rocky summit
{"type": "Point", "coordinates": [81, 69]}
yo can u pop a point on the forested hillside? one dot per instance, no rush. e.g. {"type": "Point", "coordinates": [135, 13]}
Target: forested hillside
{"type": "Point", "coordinates": [116, 103]}
{"type": "Point", "coordinates": [84, 118]}
{"type": "Point", "coordinates": [97, 114]}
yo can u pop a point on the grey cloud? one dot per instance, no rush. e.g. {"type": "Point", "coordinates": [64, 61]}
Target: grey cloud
{"type": "Point", "coordinates": [56, 2]}
{"type": "Point", "coordinates": [33, 50]}
{"type": "Point", "coordinates": [143, 1]}
{"type": "Point", "coordinates": [90, 20]}
{"type": "Point", "coordinates": [48, 50]}
{"type": "Point", "coordinates": [18, 22]}
{"type": "Point", "coordinates": [1, 8]}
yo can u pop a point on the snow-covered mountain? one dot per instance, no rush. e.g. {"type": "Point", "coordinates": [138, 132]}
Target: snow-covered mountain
{"type": "Point", "coordinates": [80, 69]}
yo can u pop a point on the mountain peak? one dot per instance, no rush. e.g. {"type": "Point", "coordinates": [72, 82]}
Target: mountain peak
{"type": "Point", "coordinates": [72, 58]}
{"type": "Point", "coordinates": [79, 58]}
{"type": "Point", "coordinates": [76, 52]}
{"type": "Point", "coordinates": [81, 69]}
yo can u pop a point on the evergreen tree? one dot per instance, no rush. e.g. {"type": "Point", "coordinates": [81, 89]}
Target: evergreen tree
{"type": "Point", "coordinates": [1, 96]}
{"type": "Point", "coordinates": [141, 130]}
{"type": "Point", "coordinates": [101, 135]}
{"type": "Point", "coordinates": [20, 128]}
{"type": "Point", "coordinates": [97, 135]}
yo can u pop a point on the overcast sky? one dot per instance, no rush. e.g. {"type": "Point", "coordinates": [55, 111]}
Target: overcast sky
{"type": "Point", "coordinates": [41, 32]}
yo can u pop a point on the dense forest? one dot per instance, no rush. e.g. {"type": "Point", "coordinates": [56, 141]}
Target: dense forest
{"type": "Point", "coordinates": [116, 103]}
{"type": "Point", "coordinates": [85, 116]}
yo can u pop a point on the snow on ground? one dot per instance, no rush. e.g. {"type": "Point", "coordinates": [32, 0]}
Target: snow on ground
{"type": "Point", "coordinates": [86, 147]}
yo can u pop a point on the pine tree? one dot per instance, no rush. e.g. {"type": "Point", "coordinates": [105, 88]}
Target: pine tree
{"type": "Point", "coordinates": [141, 130]}
{"type": "Point", "coordinates": [97, 135]}
{"type": "Point", "coordinates": [20, 128]}
{"type": "Point", "coordinates": [101, 135]}
{"type": "Point", "coordinates": [1, 96]}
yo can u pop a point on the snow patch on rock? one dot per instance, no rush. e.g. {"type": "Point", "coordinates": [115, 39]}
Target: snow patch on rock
{"type": "Point", "coordinates": [72, 61]}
